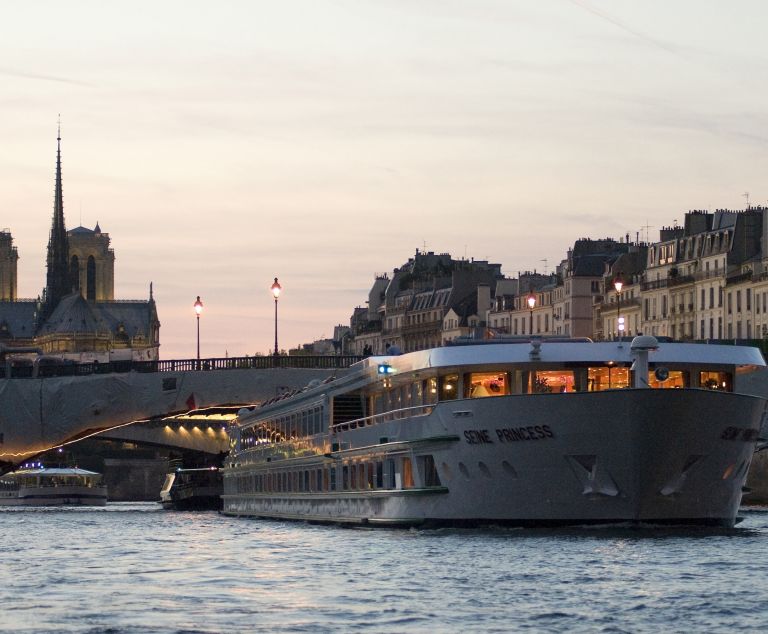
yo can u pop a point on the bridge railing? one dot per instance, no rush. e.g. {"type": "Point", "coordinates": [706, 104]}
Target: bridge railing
{"type": "Point", "coordinates": [17, 370]}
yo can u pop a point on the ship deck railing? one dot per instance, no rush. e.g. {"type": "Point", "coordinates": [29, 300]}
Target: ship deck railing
{"type": "Point", "coordinates": [385, 417]}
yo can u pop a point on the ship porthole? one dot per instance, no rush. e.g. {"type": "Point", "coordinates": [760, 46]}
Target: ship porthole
{"type": "Point", "coordinates": [464, 470]}
{"type": "Point", "coordinates": [446, 471]}
{"type": "Point", "coordinates": [484, 469]}
{"type": "Point", "coordinates": [509, 469]}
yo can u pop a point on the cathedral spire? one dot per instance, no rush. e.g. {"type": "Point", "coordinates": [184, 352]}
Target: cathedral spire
{"type": "Point", "coordinates": [58, 282]}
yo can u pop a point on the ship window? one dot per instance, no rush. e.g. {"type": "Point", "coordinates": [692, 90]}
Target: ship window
{"type": "Point", "coordinates": [552, 381]}
{"type": "Point", "coordinates": [484, 469]}
{"type": "Point", "coordinates": [716, 381]}
{"type": "Point", "coordinates": [361, 476]}
{"type": "Point", "coordinates": [608, 377]}
{"type": "Point", "coordinates": [407, 473]}
{"type": "Point", "coordinates": [418, 393]}
{"type": "Point", "coordinates": [370, 470]}
{"type": "Point", "coordinates": [345, 477]}
{"type": "Point", "coordinates": [464, 470]}
{"type": "Point", "coordinates": [482, 384]}
{"type": "Point", "coordinates": [676, 379]}
{"type": "Point", "coordinates": [306, 481]}
{"type": "Point", "coordinates": [430, 389]}
{"type": "Point", "coordinates": [354, 472]}
{"type": "Point", "coordinates": [389, 474]}
{"type": "Point", "coordinates": [429, 470]}
{"type": "Point", "coordinates": [449, 385]}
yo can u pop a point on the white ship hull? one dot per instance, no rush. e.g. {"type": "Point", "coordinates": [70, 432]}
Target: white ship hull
{"type": "Point", "coordinates": [58, 496]}
{"type": "Point", "coordinates": [678, 456]}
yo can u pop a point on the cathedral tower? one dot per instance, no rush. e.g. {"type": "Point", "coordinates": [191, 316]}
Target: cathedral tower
{"type": "Point", "coordinates": [58, 280]}
{"type": "Point", "coordinates": [8, 257]}
{"type": "Point", "coordinates": [92, 263]}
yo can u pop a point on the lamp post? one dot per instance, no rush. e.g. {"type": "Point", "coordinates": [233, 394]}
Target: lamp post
{"type": "Point", "coordinates": [531, 303]}
{"type": "Point", "coordinates": [198, 309]}
{"type": "Point", "coordinates": [617, 284]}
{"type": "Point", "coordinates": [276, 288]}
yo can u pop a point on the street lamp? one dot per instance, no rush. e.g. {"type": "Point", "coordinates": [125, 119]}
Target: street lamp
{"type": "Point", "coordinates": [617, 284]}
{"type": "Point", "coordinates": [198, 309]}
{"type": "Point", "coordinates": [276, 288]}
{"type": "Point", "coordinates": [531, 303]}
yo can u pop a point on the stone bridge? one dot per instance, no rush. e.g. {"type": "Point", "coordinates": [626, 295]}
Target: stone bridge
{"type": "Point", "coordinates": [181, 404]}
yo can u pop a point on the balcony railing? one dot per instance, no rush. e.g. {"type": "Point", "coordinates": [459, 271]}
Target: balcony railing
{"type": "Point", "coordinates": [679, 280]}
{"type": "Point", "coordinates": [739, 277]}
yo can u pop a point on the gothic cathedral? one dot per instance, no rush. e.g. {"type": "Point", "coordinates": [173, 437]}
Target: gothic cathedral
{"type": "Point", "coordinates": [77, 316]}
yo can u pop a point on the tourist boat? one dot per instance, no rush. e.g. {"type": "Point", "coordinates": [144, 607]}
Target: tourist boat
{"type": "Point", "coordinates": [192, 490]}
{"type": "Point", "coordinates": [40, 486]}
{"type": "Point", "coordinates": [541, 432]}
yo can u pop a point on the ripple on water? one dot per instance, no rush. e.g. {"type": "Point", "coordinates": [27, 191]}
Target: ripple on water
{"type": "Point", "coordinates": [135, 568]}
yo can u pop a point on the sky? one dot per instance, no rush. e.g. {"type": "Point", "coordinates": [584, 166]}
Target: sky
{"type": "Point", "coordinates": [222, 144]}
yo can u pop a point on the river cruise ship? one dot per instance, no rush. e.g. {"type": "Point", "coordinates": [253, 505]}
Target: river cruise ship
{"type": "Point", "coordinates": [40, 486]}
{"type": "Point", "coordinates": [528, 433]}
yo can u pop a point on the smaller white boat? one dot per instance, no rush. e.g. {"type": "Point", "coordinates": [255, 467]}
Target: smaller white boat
{"type": "Point", "coordinates": [52, 487]}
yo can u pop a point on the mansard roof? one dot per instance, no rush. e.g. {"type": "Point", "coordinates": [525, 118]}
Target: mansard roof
{"type": "Point", "coordinates": [591, 265]}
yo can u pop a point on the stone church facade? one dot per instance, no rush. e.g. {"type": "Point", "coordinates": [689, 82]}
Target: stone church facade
{"type": "Point", "coordinates": [77, 316]}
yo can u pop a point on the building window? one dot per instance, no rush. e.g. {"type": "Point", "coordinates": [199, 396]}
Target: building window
{"type": "Point", "coordinates": [738, 301]}
{"type": "Point", "coordinates": [703, 298]}
{"type": "Point", "coordinates": [730, 306]}
{"type": "Point", "coordinates": [702, 330]}
{"type": "Point", "coordinates": [74, 272]}
{"type": "Point", "coordinates": [749, 299]}
{"type": "Point", "coordinates": [91, 279]}
{"type": "Point", "coordinates": [711, 296]}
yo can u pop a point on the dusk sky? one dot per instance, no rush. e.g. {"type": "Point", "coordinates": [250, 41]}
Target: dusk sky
{"type": "Point", "coordinates": [221, 144]}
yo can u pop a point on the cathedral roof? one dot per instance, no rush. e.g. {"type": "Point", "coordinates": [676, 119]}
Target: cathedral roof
{"type": "Point", "coordinates": [17, 319]}
{"type": "Point", "coordinates": [120, 318]}
{"type": "Point", "coordinates": [81, 229]}
{"type": "Point", "coordinates": [72, 314]}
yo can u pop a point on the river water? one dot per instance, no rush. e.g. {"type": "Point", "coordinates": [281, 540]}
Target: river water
{"type": "Point", "coordinates": [136, 568]}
